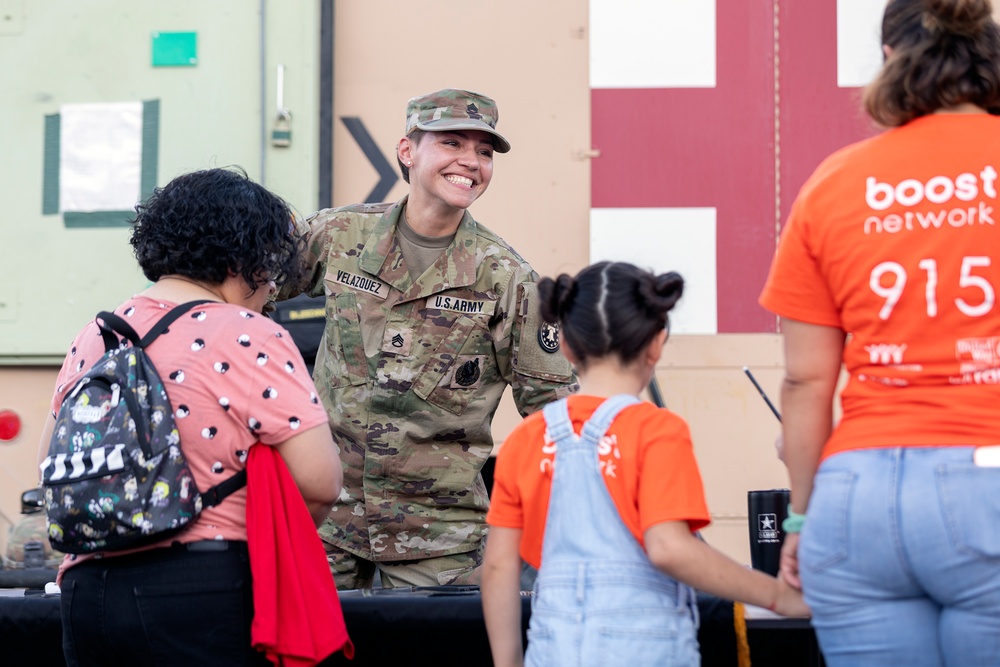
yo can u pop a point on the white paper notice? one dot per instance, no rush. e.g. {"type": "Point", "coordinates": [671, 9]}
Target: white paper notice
{"type": "Point", "coordinates": [100, 151]}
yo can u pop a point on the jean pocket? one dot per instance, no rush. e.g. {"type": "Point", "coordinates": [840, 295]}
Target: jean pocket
{"type": "Point", "coordinates": [670, 640]}
{"type": "Point", "coordinates": [541, 651]}
{"type": "Point", "coordinates": [970, 505]}
{"type": "Point", "coordinates": [825, 534]}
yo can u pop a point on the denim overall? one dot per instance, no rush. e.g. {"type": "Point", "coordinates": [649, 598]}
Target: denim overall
{"type": "Point", "coordinates": [597, 599]}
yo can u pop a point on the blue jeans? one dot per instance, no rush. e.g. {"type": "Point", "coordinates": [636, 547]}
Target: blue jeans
{"type": "Point", "coordinates": [900, 558]}
{"type": "Point", "coordinates": [166, 606]}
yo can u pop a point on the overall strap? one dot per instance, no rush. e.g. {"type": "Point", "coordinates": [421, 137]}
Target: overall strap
{"type": "Point", "coordinates": [557, 422]}
{"type": "Point", "coordinates": [600, 421]}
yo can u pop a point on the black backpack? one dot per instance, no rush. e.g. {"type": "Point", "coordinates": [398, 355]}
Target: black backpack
{"type": "Point", "coordinates": [115, 476]}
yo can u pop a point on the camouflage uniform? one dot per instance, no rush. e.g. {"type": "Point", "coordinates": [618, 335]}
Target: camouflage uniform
{"type": "Point", "coordinates": [412, 410]}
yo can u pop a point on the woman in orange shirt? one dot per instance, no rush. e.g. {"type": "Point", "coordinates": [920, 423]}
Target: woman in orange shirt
{"type": "Point", "coordinates": [889, 264]}
{"type": "Point", "coordinates": [607, 516]}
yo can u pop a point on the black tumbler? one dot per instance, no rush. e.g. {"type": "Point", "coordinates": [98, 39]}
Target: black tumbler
{"type": "Point", "coordinates": [766, 510]}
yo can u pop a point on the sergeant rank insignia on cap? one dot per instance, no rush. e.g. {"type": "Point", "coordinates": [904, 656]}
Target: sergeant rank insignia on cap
{"type": "Point", "coordinates": [548, 337]}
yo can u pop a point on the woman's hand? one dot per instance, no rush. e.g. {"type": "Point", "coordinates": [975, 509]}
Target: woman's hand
{"type": "Point", "coordinates": [788, 570]}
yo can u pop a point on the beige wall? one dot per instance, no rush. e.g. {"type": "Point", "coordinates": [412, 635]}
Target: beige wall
{"type": "Point", "coordinates": [539, 199]}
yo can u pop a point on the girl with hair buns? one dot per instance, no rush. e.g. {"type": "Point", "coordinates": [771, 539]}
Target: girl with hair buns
{"type": "Point", "coordinates": [889, 265]}
{"type": "Point", "coordinates": [602, 493]}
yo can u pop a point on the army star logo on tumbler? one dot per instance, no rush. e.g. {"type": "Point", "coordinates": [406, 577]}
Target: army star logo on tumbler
{"type": "Point", "coordinates": [548, 337]}
{"type": "Point", "coordinates": [767, 527]}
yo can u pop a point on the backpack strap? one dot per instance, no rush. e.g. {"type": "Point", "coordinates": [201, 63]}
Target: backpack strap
{"type": "Point", "coordinates": [169, 319]}
{"type": "Point", "coordinates": [222, 490]}
{"type": "Point", "coordinates": [111, 324]}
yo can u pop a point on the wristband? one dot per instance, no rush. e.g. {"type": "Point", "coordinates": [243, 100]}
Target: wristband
{"type": "Point", "coordinates": [794, 522]}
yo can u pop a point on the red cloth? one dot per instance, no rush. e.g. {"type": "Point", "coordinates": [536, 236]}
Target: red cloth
{"type": "Point", "coordinates": [297, 616]}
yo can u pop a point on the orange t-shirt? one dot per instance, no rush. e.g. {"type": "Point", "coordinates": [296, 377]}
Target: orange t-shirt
{"type": "Point", "coordinates": [895, 241]}
{"type": "Point", "coordinates": [648, 463]}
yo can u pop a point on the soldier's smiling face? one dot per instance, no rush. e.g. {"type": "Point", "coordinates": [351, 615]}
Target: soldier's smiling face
{"type": "Point", "coordinates": [454, 167]}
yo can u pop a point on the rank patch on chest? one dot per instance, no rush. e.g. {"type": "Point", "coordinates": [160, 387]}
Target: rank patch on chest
{"type": "Point", "coordinates": [548, 337]}
{"type": "Point", "coordinates": [459, 305]}
{"type": "Point", "coordinates": [362, 283]}
{"type": "Point", "coordinates": [397, 341]}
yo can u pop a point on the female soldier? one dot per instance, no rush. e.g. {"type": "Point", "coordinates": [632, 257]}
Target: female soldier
{"type": "Point", "coordinates": [430, 316]}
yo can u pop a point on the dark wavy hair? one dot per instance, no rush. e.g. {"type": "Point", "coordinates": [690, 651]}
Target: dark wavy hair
{"type": "Point", "coordinates": [209, 224]}
{"type": "Point", "coordinates": [610, 308]}
{"type": "Point", "coordinates": [944, 53]}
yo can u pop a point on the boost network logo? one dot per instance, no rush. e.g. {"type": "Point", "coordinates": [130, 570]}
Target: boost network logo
{"type": "Point", "coordinates": [911, 192]}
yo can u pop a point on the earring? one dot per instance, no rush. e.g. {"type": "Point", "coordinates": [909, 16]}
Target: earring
{"type": "Point", "coordinates": [408, 163]}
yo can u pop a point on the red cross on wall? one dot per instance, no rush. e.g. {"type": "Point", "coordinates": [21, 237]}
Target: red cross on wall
{"type": "Point", "coordinates": [714, 147]}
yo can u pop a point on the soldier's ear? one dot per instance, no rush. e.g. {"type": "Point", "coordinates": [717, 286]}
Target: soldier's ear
{"type": "Point", "coordinates": [404, 151]}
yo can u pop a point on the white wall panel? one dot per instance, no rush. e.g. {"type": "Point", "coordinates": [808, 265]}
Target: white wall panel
{"type": "Point", "coordinates": [665, 239]}
{"type": "Point", "coordinates": [859, 42]}
{"type": "Point", "coordinates": [652, 43]}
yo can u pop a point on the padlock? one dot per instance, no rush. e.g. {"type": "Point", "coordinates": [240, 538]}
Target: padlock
{"type": "Point", "coordinates": [281, 135]}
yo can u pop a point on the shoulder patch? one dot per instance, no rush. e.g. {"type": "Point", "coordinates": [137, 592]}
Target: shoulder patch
{"type": "Point", "coordinates": [548, 337]}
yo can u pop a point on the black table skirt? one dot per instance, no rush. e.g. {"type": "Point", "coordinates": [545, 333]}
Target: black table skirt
{"type": "Point", "coordinates": [423, 627]}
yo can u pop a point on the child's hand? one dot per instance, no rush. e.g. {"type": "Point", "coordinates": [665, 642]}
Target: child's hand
{"type": "Point", "coordinates": [789, 601]}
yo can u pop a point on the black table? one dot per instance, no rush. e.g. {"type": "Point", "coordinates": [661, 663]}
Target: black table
{"type": "Point", "coordinates": [432, 626]}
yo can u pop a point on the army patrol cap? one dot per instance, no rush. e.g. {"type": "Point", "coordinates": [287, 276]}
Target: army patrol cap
{"type": "Point", "coordinates": [452, 109]}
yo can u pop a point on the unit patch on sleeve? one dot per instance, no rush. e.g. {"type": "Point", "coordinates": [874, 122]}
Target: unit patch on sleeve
{"type": "Point", "coordinates": [363, 283]}
{"type": "Point", "coordinates": [548, 337]}
{"type": "Point", "coordinates": [468, 371]}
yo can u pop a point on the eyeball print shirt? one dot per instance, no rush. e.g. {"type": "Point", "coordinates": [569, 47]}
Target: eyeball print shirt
{"type": "Point", "coordinates": [234, 378]}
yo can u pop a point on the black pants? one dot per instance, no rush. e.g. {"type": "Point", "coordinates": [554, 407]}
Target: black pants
{"type": "Point", "coordinates": [170, 606]}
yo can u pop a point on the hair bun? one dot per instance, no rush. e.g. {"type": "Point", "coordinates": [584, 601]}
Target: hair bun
{"type": "Point", "coordinates": [669, 287]}
{"type": "Point", "coordinates": [958, 17]}
{"type": "Point", "coordinates": [556, 296]}
{"type": "Point", "coordinates": [660, 293]}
